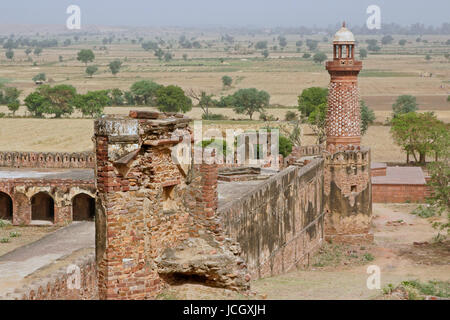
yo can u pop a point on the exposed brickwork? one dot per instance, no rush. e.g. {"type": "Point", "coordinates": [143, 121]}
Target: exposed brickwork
{"type": "Point", "coordinates": [348, 196]}
{"type": "Point", "coordinates": [151, 210]}
{"type": "Point", "coordinates": [391, 193]}
{"type": "Point", "coordinates": [279, 224]}
{"type": "Point", "coordinates": [47, 160]}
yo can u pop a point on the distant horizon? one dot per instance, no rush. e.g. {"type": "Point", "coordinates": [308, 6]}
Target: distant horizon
{"type": "Point", "coordinates": [233, 14]}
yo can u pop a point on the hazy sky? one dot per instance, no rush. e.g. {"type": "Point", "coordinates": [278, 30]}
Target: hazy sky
{"type": "Point", "coordinates": [268, 13]}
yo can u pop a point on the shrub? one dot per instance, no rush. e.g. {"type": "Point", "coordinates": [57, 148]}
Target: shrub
{"type": "Point", "coordinates": [214, 116]}
{"type": "Point", "coordinates": [290, 116]}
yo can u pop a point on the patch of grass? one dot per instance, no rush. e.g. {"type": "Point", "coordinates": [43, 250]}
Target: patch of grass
{"type": "Point", "coordinates": [424, 211]}
{"type": "Point", "coordinates": [14, 234]}
{"type": "Point", "coordinates": [331, 255]}
{"type": "Point", "coordinates": [388, 288]}
{"type": "Point", "coordinates": [167, 295]}
{"type": "Point", "coordinates": [2, 224]}
{"type": "Point", "coordinates": [4, 240]}
{"type": "Point", "coordinates": [385, 74]}
{"type": "Point", "coordinates": [416, 289]}
{"type": "Point", "coordinates": [368, 257]}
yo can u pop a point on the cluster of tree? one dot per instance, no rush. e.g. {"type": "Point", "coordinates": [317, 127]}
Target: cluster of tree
{"type": "Point", "coordinates": [313, 106]}
{"type": "Point", "coordinates": [187, 44]}
{"type": "Point", "coordinates": [416, 133]}
{"type": "Point", "coordinates": [10, 96]}
{"type": "Point", "coordinates": [62, 100]}
{"type": "Point", "coordinates": [12, 43]}
{"type": "Point", "coordinates": [312, 44]}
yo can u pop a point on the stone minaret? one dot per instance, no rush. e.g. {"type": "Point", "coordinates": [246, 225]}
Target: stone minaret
{"type": "Point", "coordinates": [343, 118]}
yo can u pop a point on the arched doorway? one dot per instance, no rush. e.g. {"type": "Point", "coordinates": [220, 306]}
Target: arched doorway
{"type": "Point", "coordinates": [42, 207]}
{"type": "Point", "coordinates": [83, 207]}
{"type": "Point", "coordinates": [6, 207]}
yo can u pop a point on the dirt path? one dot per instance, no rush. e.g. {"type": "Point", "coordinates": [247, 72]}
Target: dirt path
{"type": "Point", "coordinates": [18, 264]}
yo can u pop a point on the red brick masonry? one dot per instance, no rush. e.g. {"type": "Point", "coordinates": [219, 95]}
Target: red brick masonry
{"type": "Point", "coordinates": [399, 185]}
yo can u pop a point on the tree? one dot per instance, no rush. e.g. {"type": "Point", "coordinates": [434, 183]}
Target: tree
{"type": "Point", "coordinates": [282, 41]}
{"type": "Point", "coordinates": [439, 196]}
{"type": "Point", "coordinates": [91, 70]}
{"type": "Point", "coordinates": [28, 51]}
{"type": "Point", "coordinates": [116, 97]}
{"type": "Point", "coordinates": [115, 66]}
{"type": "Point", "coordinates": [299, 43]}
{"type": "Point", "coordinates": [261, 45]}
{"type": "Point", "coordinates": [310, 99]}
{"type": "Point", "coordinates": [265, 54]}
{"type": "Point", "coordinates": [13, 107]}
{"type": "Point", "coordinates": [159, 53]}
{"type": "Point", "coordinates": [57, 100]}
{"type": "Point", "coordinates": [9, 54]}
{"type": "Point", "coordinates": [312, 44]}
{"type": "Point", "coordinates": [402, 42]}
{"type": "Point", "coordinates": [317, 122]}
{"type": "Point", "coordinates": [373, 48]}
{"type": "Point", "coordinates": [367, 117]}
{"type": "Point", "coordinates": [85, 56]}
{"type": "Point", "coordinates": [185, 56]}
{"type": "Point", "coordinates": [37, 51]}
{"type": "Point", "coordinates": [61, 58]}
{"type": "Point", "coordinates": [144, 92]}
{"type": "Point", "coordinates": [11, 95]}
{"type": "Point", "coordinates": [404, 104]}
{"type": "Point", "coordinates": [37, 104]}
{"type": "Point", "coordinates": [41, 77]}
{"type": "Point", "coordinates": [320, 57]}
{"type": "Point", "coordinates": [249, 101]}
{"type": "Point", "coordinates": [362, 53]}
{"type": "Point", "coordinates": [167, 56]}
{"type": "Point", "coordinates": [428, 57]}
{"type": "Point", "coordinates": [172, 99]}
{"type": "Point", "coordinates": [204, 100]}
{"type": "Point", "coordinates": [92, 103]}
{"type": "Point", "coordinates": [420, 133]}
{"type": "Point", "coordinates": [227, 81]}
{"type": "Point", "coordinates": [306, 55]}
{"type": "Point", "coordinates": [387, 39]}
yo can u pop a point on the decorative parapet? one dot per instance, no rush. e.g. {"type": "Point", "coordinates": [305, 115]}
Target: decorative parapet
{"type": "Point", "coordinates": [47, 160]}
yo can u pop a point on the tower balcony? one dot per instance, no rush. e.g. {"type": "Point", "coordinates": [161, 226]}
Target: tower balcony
{"type": "Point", "coordinates": [344, 65]}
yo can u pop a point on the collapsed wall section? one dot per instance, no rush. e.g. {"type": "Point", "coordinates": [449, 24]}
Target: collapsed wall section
{"type": "Point", "coordinates": [279, 224]}
{"type": "Point", "coordinates": [155, 217]}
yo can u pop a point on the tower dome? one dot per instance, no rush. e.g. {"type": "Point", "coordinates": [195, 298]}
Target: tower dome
{"type": "Point", "coordinates": [343, 35]}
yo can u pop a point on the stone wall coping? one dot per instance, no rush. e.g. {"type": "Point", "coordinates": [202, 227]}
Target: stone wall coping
{"type": "Point", "coordinates": [300, 171]}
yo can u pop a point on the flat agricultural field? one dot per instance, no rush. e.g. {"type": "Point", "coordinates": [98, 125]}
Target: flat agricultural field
{"type": "Point", "coordinates": [394, 71]}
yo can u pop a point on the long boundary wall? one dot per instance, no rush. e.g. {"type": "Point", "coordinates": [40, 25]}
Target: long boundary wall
{"type": "Point", "coordinates": [78, 284]}
{"type": "Point", "coordinates": [47, 160]}
{"type": "Point", "coordinates": [279, 224]}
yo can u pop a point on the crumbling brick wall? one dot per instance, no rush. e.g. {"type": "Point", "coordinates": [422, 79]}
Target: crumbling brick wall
{"type": "Point", "coordinates": [279, 224]}
{"type": "Point", "coordinates": [155, 220]}
{"type": "Point", "coordinates": [47, 160]}
{"type": "Point", "coordinates": [348, 195]}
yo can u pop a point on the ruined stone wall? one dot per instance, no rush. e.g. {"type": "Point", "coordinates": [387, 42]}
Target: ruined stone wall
{"type": "Point", "coordinates": [279, 224]}
{"type": "Point", "coordinates": [47, 160]}
{"type": "Point", "coordinates": [62, 192]}
{"type": "Point", "coordinates": [348, 195]}
{"type": "Point", "coordinates": [155, 219]}
{"type": "Point", "coordinates": [62, 285]}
